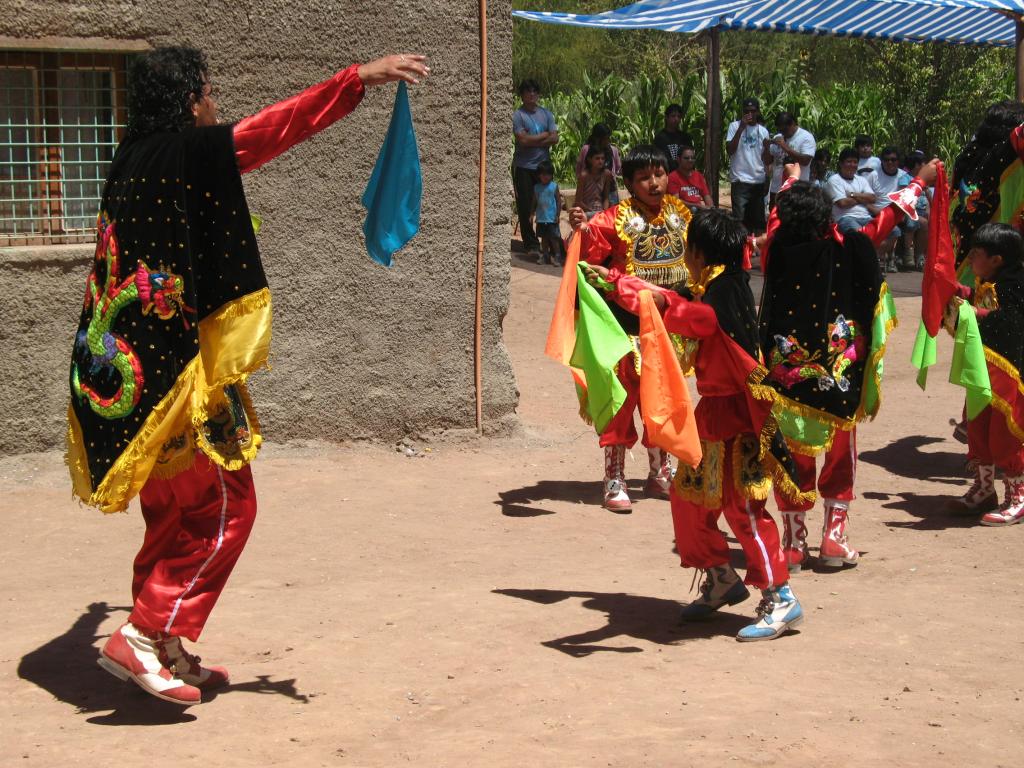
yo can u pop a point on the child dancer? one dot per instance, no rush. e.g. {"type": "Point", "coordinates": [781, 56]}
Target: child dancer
{"type": "Point", "coordinates": [995, 436]}
{"type": "Point", "coordinates": [825, 313]}
{"type": "Point", "coordinates": [742, 449]}
{"type": "Point", "coordinates": [643, 236]}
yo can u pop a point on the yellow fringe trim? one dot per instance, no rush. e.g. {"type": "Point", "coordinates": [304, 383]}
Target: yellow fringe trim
{"type": "Point", "coordinates": [995, 359]}
{"type": "Point", "coordinates": [185, 404]}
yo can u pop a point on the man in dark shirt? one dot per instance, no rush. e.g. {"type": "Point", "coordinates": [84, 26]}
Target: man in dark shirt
{"type": "Point", "coordinates": [670, 139]}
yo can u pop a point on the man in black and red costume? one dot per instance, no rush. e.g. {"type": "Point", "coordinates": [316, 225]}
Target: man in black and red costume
{"type": "Point", "coordinates": [176, 317]}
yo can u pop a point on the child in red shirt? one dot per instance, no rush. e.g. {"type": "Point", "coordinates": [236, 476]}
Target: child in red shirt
{"type": "Point", "coordinates": [689, 184]}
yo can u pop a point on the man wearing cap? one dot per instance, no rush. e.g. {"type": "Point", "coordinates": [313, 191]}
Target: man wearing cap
{"type": "Point", "coordinates": [746, 144]}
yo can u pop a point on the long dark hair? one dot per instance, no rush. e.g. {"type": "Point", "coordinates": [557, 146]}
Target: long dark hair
{"type": "Point", "coordinates": [161, 84]}
{"type": "Point", "coordinates": [804, 214]}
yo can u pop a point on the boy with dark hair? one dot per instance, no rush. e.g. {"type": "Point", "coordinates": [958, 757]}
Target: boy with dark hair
{"type": "Point", "coordinates": [866, 161]}
{"type": "Point", "coordinates": [670, 139]}
{"type": "Point", "coordinates": [643, 236]}
{"type": "Point", "coordinates": [743, 452]}
{"type": "Point", "coordinates": [547, 210]}
{"type": "Point", "coordinates": [825, 314]}
{"type": "Point", "coordinates": [995, 437]}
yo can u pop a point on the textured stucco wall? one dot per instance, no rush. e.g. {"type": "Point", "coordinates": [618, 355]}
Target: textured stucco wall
{"type": "Point", "coordinates": [360, 351]}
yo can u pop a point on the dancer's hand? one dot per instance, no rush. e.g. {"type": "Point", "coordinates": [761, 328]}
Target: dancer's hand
{"type": "Point", "coordinates": [399, 66]}
{"type": "Point", "coordinates": [792, 170]}
{"type": "Point", "coordinates": [929, 171]}
{"type": "Point", "coordinates": [577, 218]}
{"type": "Point", "coordinates": [594, 273]}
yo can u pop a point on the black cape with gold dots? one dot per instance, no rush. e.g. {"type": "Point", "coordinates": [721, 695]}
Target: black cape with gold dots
{"type": "Point", "coordinates": [176, 315]}
{"type": "Point", "coordinates": [816, 323]}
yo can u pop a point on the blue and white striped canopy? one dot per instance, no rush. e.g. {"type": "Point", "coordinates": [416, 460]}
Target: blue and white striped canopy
{"type": "Point", "coordinates": [977, 22]}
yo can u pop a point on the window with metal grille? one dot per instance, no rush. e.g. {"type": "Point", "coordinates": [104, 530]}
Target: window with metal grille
{"type": "Point", "coordinates": [61, 117]}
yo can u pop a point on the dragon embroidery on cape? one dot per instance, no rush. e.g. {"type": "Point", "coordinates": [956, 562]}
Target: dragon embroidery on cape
{"type": "Point", "coordinates": [111, 356]}
{"type": "Point", "coordinates": [790, 363]}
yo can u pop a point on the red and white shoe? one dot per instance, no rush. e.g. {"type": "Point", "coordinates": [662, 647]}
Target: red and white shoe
{"type": "Point", "coordinates": [187, 668]}
{"type": "Point", "coordinates": [794, 540]}
{"type": "Point", "coordinates": [659, 479]}
{"type": "Point", "coordinates": [981, 497]}
{"type": "Point", "coordinates": [615, 497]}
{"type": "Point", "coordinates": [835, 546]}
{"type": "Point", "coordinates": [1012, 509]}
{"type": "Point", "coordinates": [132, 654]}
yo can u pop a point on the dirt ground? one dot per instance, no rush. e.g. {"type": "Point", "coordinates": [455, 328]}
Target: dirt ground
{"type": "Point", "coordinates": [473, 605]}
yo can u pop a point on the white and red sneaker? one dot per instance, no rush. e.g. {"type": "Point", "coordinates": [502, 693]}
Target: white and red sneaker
{"type": "Point", "coordinates": [794, 540]}
{"type": "Point", "coordinates": [133, 654]}
{"type": "Point", "coordinates": [981, 497]}
{"type": "Point", "coordinates": [615, 497]}
{"type": "Point", "coordinates": [659, 479]}
{"type": "Point", "coordinates": [835, 545]}
{"type": "Point", "coordinates": [1012, 509]}
{"type": "Point", "coordinates": [187, 667]}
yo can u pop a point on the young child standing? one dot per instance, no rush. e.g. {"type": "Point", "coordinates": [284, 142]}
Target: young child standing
{"type": "Point", "coordinates": [643, 236]}
{"type": "Point", "coordinates": [743, 452]}
{"type": "Point", "coordinates": [594, 185]}
{"type": "Point", "coordinates": [547, 209]}
{"type": "Point", "coordinates": [995, 437]}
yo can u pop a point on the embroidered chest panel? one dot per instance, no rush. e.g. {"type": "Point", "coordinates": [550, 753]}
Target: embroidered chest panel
{"type": "Point", "coordinates": [655, 247]}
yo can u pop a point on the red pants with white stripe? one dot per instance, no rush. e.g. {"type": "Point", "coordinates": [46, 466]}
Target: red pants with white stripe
{"type": "Point", "coordinates": [197, 523]}
{"type": "Point", "coordinates": [701, 544]}
{"type": "Point", "coordinates": [990, 442]}
{"type": "Point", "coordinates": [838, 472]}
{"type": "Point", "coordinates": [621, 430]}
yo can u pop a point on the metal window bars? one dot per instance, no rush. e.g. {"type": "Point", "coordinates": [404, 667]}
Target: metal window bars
{"type": "Point", "coordinates": [61, 118]}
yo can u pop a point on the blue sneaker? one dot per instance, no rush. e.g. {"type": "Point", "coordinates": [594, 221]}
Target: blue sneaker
{"type": "Point", "coordinates": [778, 612]}
{"type": "Point", "coordinates": [722, 586]}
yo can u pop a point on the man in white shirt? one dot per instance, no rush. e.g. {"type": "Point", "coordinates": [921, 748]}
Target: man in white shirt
{"type": "Point", "coordinates": [866, 160]}
{"type": "Point", "coordinates": [745, 143]}
{"type": "Point", "coordinates": [792, 144]}
{"type": "Point", "coordinates": [888, 179]}
{"type": "Point", "coordinates": [850, 194]}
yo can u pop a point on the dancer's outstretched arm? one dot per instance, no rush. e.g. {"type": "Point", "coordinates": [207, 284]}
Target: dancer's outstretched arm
{"type": "Point", "coordinates": [265, 135]}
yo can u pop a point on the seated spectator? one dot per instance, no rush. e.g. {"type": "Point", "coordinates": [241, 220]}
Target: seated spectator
{"type": "Point", "coordinates": [689, 184]}
{"type": "Point", "coordinates": [886, 180]}
{"type": "Point", "coordinates": [670, 139]}
{"type": "Point", "coordinates": [915, 233]}
{"type": "Point", "coordinates": [594, 185]}
{"type": "Point", "coordinates": [601, 137]}
{"type": "Point", "coordinates": [849, 193]}
{"type": "Point", "coordinates": [820, 167]}
{"type": "Point", "coordinates": [866, 161]}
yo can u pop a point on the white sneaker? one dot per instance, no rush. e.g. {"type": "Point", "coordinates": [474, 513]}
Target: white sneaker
{"type": "Point", "coordinates": [615, 497]}
{"type": "Point", "coordinates": [778, 612]}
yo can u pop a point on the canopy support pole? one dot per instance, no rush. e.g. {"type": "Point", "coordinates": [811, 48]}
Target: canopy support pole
{"type": "Point", "coordinates": [1019, 25]}
{"type": "Point", "coordinates": [713, 119]}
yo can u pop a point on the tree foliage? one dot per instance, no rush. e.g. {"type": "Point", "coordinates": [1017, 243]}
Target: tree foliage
{"type": "Point", "coordinates": [916, 96]}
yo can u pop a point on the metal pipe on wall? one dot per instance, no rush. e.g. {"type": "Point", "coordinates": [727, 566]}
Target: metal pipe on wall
{"type": "Point", "coordinates": [482, 204]}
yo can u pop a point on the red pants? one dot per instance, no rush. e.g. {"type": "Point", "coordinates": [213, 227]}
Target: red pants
{"type": "Point", "coordinates": [701, 544]}
{"type": "Point", "coordinates": [838, 472]}
{"type": "Point", "coordinates": [197, 524]}
{"type": "Point", "coordinates": [621, 430]}
{"type": "Point", "coordinates": [990, 442]}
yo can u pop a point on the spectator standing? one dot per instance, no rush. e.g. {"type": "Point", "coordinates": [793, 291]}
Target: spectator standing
{"type": "Point", "coordinates": [670, 139]}
{"type": "Point", "coordinates": [535, 133]}
{"type": "Point", "coordinates": [594, 185]}
{"type": "Point", "coordinates": [745, 142]}
{"type": "Point", "coordinates": [547, 209]}
{"type": "Point", "coordinates": [820, 168]}
{"type": "Point", "coordinates": [689, 184]}
{"type": "Point", "coordinates": [886, 180]}
{"type": "Point", "coordinates": [849, 193]}
{"type": "Point", "coordinates": [601, 137]}
{"type": "Point", "coordinates": [792, 144]}
{"type": "Point", "coordinates": [866, 160]}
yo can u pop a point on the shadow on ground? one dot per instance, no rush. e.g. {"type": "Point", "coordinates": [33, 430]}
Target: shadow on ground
{"type": "Point", "coordinates": [930, 511]}
{"type": "Point", "coordinates": [905, 458]}
{"type": "Point", "coordinates": [651, 619]}
{"type": "Point", "coordinates": [522, 502]}
{"type": "Point", "coordinates": [66, 668]}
